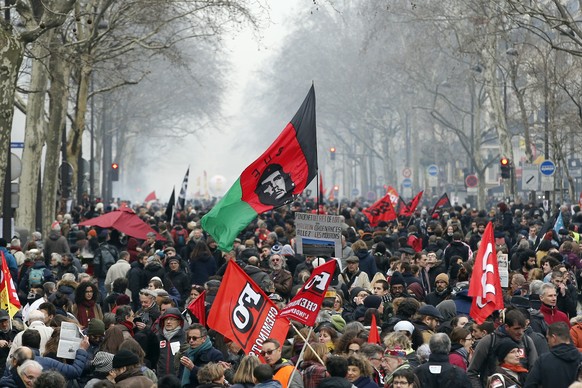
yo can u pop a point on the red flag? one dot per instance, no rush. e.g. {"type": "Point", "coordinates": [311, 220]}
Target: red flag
{"type": "Point", "coordinates": [382, 210]}
{"type": "Point", "coordinates": [485, 285]}
{"type": "Point", "coordinates": [151, 197]}
{"type": "Point", "coordinates": [374, 337]}
{"type": "Point", "coordinates": [242, 312]}
{"type": "Point", "coordinates": [409, 209]}
{"type": "Point", "coordinates": [198, 308]}
{"type": "Point", "coordinates": [391, 191]}
{"type": "Point", "coordinates": [8, 295]}
{"type": "Point", "coordinates": [443, 202]}
{"type": "Point", "coordinates": [400, 206]}
{"type": "Point", "coordinates": [305, 306]}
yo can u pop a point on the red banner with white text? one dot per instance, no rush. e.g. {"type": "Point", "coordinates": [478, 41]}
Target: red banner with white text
{"type": "Point", "coordinates": [242, 312]}
{"type": "Point", "coordinates": [307, 303]}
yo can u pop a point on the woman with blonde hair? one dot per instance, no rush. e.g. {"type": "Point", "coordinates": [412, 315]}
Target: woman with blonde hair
{"type": "Point", "coordinates": [313, 367]}
{"type": "Point", "coordinates": [243, 377]}
{"type": "Point", "coordinates": [211, 375]}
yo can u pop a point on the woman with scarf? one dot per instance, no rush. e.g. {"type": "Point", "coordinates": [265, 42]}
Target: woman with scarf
{"type": "Point", "coordinates": [199, 353]}
{"type": "Point", "coordinates": [86, 306]}
{"type": "Point", "coordinates": [509, 372]}
{"type": "Point", "coordinates": [461, 347]}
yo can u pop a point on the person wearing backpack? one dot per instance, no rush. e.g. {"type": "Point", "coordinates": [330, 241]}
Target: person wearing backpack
{"type": "Point", "coordinates": [104, 257]}
{"type": "Point", "coordinates": [484, 360]}
{"type": "Point", "coordinates": [38, 274]}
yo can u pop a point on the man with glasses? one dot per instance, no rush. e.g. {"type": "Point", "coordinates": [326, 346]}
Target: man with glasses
{"type": "Point", "coordinates": [282, 369]}
{"type": "Point", "coordinates": [199, 353]}
{"type": "Point", "coordinates": [373, 353]}
{"type": "Point", "coordinates": [394, 360]}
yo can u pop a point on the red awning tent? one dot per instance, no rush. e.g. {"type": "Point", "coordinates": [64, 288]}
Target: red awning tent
{"type": "Point", "coordinates": [124, 220]}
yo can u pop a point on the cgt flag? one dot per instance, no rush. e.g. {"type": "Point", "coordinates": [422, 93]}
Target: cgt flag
{"type": "Point", "coordinates": [280, 173]}
{"type": "Point", "coordinates": [485, 285]}
{"type": "Point", "coordinates": [8, 295]}
{"type": "Point", "coordinates": [394, 196]}
{"type": "Point", "coordinates": [382, 210]}
{"type": "Point", "coordinates": [242, 312]}
{"type": "Point", "coordinates": [305, 306]}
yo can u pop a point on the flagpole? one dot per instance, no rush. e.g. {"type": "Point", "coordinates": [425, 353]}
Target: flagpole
{"type": "Point", "coordinates": [305, 344]}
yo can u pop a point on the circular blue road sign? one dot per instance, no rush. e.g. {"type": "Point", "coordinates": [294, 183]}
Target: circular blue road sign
{"type": "Point", "coordinates": [547, 168]}
{"type": "Point", "coordinates": [407, 182]}
{"type": "Point", "coordinates": [433, 170]}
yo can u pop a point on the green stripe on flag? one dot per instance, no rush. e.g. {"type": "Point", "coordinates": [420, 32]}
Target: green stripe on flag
{"type": "Point", "coordinates": [228, 217]}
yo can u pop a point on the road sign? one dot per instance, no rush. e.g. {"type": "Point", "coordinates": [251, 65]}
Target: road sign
{"type": "Point", "coordinates": [471, 180]}
{"type": "Point", "coordinates": [15, 144]}
{"type": "Point", "coordinates": [547, 168]}
{"type": "Point", "coordinates": [371, 196]}
{"type": "Point", "coordinates": [432, 170]}
{"type": "Point", "coordinates": [355, 192]}
{"type": "Point", "coordinates": [15, 167]}
{"type": "Point", "coordinates": [407, 182]}
{"type": "Point", "coordinates": [530, 177]}
{"type": "Point", "coordinates": [406, 172]}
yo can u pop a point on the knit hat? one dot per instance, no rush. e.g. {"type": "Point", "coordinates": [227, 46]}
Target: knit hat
{"type": "Point", "coordinates": [102, 362]}
{"type": "Point", "coordinates": [122, 300]}
{"type": "Point", "coordinates": [276, 249]}
{"type": "Point", "coordinates": [372, 302]}
{"type": "Point", "coordinates": [442, 277]}
{"type": "Point", "coordinates": [124, 358]}
{"type": "Point", "coordinates": [404, 326]}
{"type": "Point", "coordinates": [173, 258]}
{"type": "Point", "coordinates": [397, 278]}
{"type": "Point", "coordinates": [503, 348]}
{"type": "Point", "coordinates": [338, 322]}
{"type": "Point", "coordinates": [287, 250]}
{"type": "Point", "coordinates": [96, 327]}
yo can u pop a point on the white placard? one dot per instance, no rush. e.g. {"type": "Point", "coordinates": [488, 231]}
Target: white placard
{"type": "Point", "coordinates": [503, 265]}
{"type": "Point", "coordinates": [70, 340]}
{"type": "Point", "coordinates": [318, 234]}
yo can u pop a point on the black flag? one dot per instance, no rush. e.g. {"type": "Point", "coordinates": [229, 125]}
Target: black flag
{"type": "Point", "coordinates": [180, 205]}
{"type": "Point", "coordinates": [170, 207]}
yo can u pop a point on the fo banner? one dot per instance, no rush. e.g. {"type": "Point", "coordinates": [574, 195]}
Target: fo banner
{"type": "Point", "coordinates": [243, 313]}
{"type": "Point", "coordinates": [307, 303]}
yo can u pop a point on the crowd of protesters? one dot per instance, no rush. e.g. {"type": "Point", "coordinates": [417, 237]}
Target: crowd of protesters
{"type": "Point", "coordinates": [410, 276]}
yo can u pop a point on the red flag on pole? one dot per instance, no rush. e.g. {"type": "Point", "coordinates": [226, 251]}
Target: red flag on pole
{"type": "Point", "coordinates": [382, 210]}
{"type": "Point", "coordinates": [394, 197]}
{"type": "Point", "coordinates": [151, 197]}
{"type": "Point", "coordinates": [374, 337]}
{"type": "Point", "coordinates": [198, 308]}
{"type": "Point", "coordinates": [306, 304]}
{"type": "Point", "coordinates": [8, 296]}
{"type": "Point", "coordinates": [485, 285]}
{"type": "Point", "coordinates": [242, 312]}
{"type": "Point", "coordinates": [443, 202]}
{"type": "Point", "coordinates": [410, 208]}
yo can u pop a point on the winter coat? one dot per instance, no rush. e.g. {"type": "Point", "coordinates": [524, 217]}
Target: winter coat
{"type": "Point", "coordinates": [154, 269]}
{"type": "Point", "coordinates": [46, 273]}
{"type": "Point", "coordinates": [367, 263]}
{"type": "Point", "coordinates": [458, 357]}
{"type": "Point", "coordinates": [335, 382]}
{"type": "Point", "coordinates": [133, 379]}
{"type": "Point", "coordinates": [557, 369]}
{"type": "Point", "coordinates": [136, 281]}
{"type": "Point", "coordinates": [166, 360]}
{"type": "Point", "coordinates": [312, 372]}
{"type": "Point", "coordinates": [434, 298]}
{"type": "Point", "coordinates": [181, 281]}
{"type": "Point", "coordinates": [576, 334]}
{"type": "Point", "coordinates": [70, 372]}
{"type": "Point", "coordinates": [12, 380]}
{"type": "Point", "coordinates": [552, 314]}
{"type": "Point", "coordinates": [283, 281]}
{"type": "Point", "coordinates": [116, 271]}
{"type": "Point", "coordinates": [484, 361]}
{"type": "Point", "coordinates": [201, 359]}
{"type": "Point", "coordinates": [365, 382]}
{"type": "Point", "coordinates": [201, 268]}
{"type": "Point", "coordinates": [55, 243]}
{"type": "Point", "coordinates": [450, 376]}
{"type": "Point", "coordinates": [257, 274]}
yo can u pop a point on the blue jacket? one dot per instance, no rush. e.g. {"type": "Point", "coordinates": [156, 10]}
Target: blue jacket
{"type": "Point", "coordinates": [11, 379]}
{"type": "Point", "coordinates": [70, 372]}
{"type": "Point", "coordinates": [12, 265]}
{"type": "Point", "coordinates": [201, 359]}
{"type": "Point", "coordinates": [367, 263]}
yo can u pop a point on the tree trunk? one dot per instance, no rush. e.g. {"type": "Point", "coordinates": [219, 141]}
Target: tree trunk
{"type": "Point", "coordinates": [11, 54]}
{"type": "Point", "coordinates": [75, 138]}
{"type": "Point", "coordinates": [59, 71]}
{"type": "Point", "coordinates": [34, 135]}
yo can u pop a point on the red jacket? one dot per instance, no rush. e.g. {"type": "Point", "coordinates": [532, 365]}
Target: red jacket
{"type": "Point", "coordinates": [552, 314]}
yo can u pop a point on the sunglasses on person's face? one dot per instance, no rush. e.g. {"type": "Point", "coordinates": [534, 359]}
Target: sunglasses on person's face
{"type": "Point", "coordinates": [194, 338]}
{"type": "Point", "coordinates": [268, 352]}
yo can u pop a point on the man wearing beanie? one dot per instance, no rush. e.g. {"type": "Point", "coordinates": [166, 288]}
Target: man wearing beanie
{"type": "Point", "coordinates": [442, 290]}
{"type": "Point", "coordinates": [351, 277]}
{"type": "Point", "coordinates": [96, 333]}
{"type": "Point", "coordinates": [171, 338]}
{"type": "Point", "coordinates": [128, 371]}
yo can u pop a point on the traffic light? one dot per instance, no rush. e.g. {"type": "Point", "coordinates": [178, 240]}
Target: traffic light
{"type": "Point", "coordinates": [114, 172]}
{"type": "Point", "coordinates": [332, 153]}
{"type": "Point", "coordinates": [505, 166]}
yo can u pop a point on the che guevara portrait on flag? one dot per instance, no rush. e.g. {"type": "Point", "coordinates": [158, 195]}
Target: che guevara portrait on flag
{"type": "Point", "coordinates": [275, 186]}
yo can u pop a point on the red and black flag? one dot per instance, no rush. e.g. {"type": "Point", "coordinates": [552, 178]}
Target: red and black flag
{"type": "Point", "coordinates": [410, 208]}
{"type": "Point", "coordinates": [322, 189]}
{"type": "Point", "coordinates": [280, 173]}
{"type": "Point", "coordinates": [442, 203]}
{"type": "Point", "coordinates": [381, 210]}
